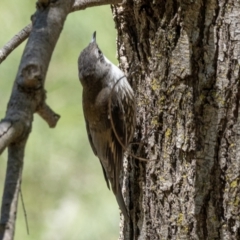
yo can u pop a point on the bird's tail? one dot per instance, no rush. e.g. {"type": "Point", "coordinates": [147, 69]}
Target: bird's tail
{"type": "Point", "coordinates": [122, 204]}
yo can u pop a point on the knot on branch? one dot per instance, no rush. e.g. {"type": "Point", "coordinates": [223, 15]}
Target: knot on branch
{"type": "Point", "coordinates": [31, 77]}
{"type": "Point", "coordinates": [48, 115]}
{"type": "Point", "coordinates": [43, 4]}
{"type": "Point", "coordinates": [31, 84]}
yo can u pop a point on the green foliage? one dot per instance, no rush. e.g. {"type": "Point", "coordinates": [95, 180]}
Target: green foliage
{"type": "Point", "coordinates": [63, 186]}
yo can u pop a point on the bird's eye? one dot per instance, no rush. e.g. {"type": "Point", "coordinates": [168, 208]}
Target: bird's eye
{"type": "Point", "coordinates": [99, 54]}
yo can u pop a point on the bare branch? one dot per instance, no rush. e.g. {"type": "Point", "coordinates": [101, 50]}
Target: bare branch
{"type": "Point", "coordinates": [15, 42]}
{"type": "Point", "coordinates": [11, 190]}
{"type": "Point", "coordinates": [83, 4]}
{"type": "Point", "coordinates": [24, 210]}
{"type": "Point", "coordinates": [28, 96]}
{"type": "Point", "coordinates": [48, 115]}
{"type": "Point", "coordinates": [24, 33]}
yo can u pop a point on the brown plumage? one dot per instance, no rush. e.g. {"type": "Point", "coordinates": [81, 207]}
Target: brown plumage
{"type": "Point", "coordinates": [101, 80]}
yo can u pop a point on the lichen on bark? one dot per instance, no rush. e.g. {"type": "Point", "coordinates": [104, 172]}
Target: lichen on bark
{"type": "Point", "coordinates": [185, 59]}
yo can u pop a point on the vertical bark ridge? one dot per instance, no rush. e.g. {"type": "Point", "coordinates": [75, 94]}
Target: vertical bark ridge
{"type": "Point", "coordinates": [186, 80]}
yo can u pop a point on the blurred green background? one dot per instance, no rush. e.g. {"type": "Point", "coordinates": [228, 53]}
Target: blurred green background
{"type": "Point", "coordinates": [63, 186]}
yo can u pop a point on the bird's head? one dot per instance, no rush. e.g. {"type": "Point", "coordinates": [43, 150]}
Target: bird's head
{"type": "Point", "coordinates": [92, 65]}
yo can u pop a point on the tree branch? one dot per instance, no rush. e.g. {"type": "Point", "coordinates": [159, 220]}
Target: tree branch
{"type": "Point", "coordinates": [28, 96]}
{"type": "Point", "coordinates": [83, 4]}
{"type": "Point", "coordinates": [15, 42]}
{"type": "Point", "coordinates": [24, 33]}
{"type": "Point", "coordinates": [11, 190]}
{"type": "Point", "coordinates": [48, 115]}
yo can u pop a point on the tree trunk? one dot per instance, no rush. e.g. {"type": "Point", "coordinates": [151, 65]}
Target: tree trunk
{"type": "Point", "coordinates": [184, 57]}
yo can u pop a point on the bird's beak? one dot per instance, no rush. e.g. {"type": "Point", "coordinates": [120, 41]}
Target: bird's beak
{"type": "Point", "coordinates": [94, 37]}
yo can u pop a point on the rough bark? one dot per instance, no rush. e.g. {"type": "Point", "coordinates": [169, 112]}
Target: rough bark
{"type": "Point", "coordinates": [186, 58]}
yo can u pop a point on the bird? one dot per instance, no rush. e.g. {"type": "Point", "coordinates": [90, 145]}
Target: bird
{"type": "Point", "coordinates": [109, 110]}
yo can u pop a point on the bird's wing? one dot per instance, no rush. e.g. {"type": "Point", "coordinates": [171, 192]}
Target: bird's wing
{"type": "Point", "coordinates": [95, 151]}
{"type": "Point", "coordinates": [115, 148]}
{"type": "Point", "coordinates": [90, 138]}
{"type": "Point", "coordinates": [123, 121]}
{"type": "Point", "coordinates": [105, 143]}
